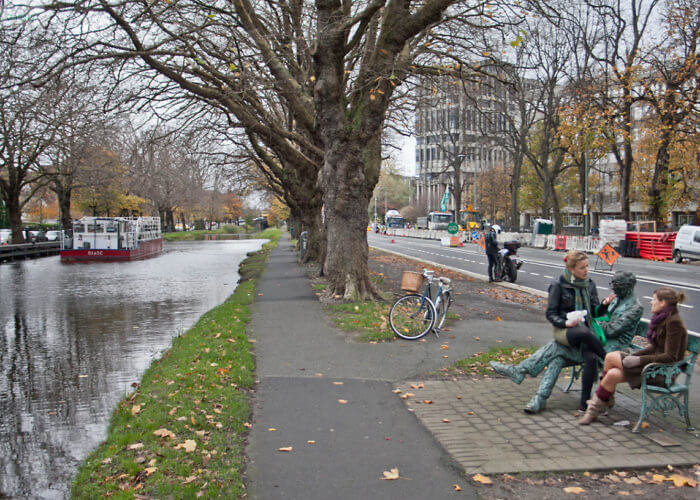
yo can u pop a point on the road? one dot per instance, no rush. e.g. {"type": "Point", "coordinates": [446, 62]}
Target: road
{"type": "Point", "coordinates": [542, 266]}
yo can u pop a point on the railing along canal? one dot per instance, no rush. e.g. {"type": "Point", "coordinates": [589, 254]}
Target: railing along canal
{"type": "Point", "coordinates": [29, 250]}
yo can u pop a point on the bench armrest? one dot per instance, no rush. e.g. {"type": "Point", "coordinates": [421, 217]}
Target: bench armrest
{"type": "Point", "coordinates": [669, 370]}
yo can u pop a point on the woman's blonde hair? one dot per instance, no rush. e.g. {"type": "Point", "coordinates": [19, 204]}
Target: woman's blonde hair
{"type": "Point", "coordinates": [573, 257]}
{"type": "Point", "coordinates": [669, 295]}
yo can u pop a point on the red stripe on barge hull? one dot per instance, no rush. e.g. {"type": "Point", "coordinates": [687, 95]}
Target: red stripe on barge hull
{"type": "Point", "coordinates": [146, 249]}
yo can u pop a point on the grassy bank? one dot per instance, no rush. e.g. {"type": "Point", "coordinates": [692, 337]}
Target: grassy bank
{"type": "Point", "coordinates": [201, 234]}
{"type": "Point", "coordinates": [181, 433]}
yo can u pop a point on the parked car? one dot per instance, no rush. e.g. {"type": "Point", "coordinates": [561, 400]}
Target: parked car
{"type": "Point", "coordinates": [53, 235]}
{"type": "Point", "coordinates": [687, 244]}
{"type": "Point", "coordinates": [5, 236]}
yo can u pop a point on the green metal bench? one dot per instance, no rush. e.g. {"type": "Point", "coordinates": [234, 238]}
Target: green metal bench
{"type": "Point", "coordinates": [675, 394]}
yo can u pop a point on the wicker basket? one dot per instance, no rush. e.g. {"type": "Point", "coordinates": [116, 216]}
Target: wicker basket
{"type": "Point", "coordinates": [411, 281]}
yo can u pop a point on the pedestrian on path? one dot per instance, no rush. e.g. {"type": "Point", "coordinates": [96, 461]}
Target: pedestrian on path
{"type": "Point", "coordinates": [491, 248]}
{"type": "Point", "coordinates": [668, 340]}
{"type": "Point", "coordinates": [575, 291]}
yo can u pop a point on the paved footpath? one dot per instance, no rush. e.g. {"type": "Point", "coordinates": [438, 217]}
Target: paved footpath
{"type": "Point", "coordinates": [331, 400]}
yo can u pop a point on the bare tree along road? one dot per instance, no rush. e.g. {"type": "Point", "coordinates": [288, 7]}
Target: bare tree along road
{"type": "Point", "coordinates": [542, 266]}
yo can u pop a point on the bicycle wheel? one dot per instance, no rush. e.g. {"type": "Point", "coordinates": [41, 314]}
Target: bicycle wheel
{"type": "Point", "coordinates": [412, 316]}
{"type": "Point", "coordinates": [443, 304]}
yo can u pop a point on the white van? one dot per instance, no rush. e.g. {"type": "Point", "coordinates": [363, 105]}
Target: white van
{"type": "Point", "coordinates": [687, 244]}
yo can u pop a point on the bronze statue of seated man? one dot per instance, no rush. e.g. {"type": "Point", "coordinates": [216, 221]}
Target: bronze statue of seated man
{"type": "Point", "coordinates": [624, 312]}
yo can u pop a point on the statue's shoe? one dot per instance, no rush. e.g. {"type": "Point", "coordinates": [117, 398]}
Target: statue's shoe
{"type": "Point", "coordinates": [536, 405]}
{"type": "Point", "coordinates": [511, 371]}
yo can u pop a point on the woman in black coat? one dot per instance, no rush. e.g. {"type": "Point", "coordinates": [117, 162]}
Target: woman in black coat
{"type": "Point", "coordinates": [575, 291]}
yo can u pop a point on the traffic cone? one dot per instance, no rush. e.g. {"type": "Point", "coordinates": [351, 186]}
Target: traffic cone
{"type": "Point", "coordinates": [392, 240]}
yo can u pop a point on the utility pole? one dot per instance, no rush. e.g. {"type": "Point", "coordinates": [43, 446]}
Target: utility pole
{"type": "Point", "coordinates": [586, 217]}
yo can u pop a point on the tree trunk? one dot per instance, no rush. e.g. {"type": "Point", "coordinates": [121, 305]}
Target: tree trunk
{"type": "Point", "coordinates": [345, 204]}
{"type": "Point", "coordinates": [64, 199]}
{"type": "Point", "coordinates": [514, 193]}
{"type": "Point", "coordinates": [14, 212]}
{"type": "Point", "coordinates": [659, 182]}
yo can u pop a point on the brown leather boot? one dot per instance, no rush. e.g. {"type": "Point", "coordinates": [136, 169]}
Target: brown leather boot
{"type": "Point", "coordinates": [595, 408]}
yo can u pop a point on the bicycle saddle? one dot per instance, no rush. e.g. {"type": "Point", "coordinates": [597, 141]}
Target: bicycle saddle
{"type": "Point", "coordinates": [445, 281]}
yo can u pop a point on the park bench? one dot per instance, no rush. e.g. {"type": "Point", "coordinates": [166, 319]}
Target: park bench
{"type": "Point", "coordinates": [677, 377]}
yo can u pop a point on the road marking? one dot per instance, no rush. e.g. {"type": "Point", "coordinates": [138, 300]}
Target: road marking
{"type": "Point", "coordinates": [551, 277]}
{"type": "Point", "coordinates": [534, 274]}
{"type": "Point", "coordinates": [603, 288]}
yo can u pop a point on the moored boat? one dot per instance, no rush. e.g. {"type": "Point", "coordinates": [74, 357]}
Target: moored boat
{"type": "Point", "coordinates": [112, 239]}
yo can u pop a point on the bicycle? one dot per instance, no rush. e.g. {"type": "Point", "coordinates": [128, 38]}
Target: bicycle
{"type": "Point", "coordinates": [415, 314]}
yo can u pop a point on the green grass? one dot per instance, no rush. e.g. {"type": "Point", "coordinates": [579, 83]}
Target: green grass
{"type": "Point", "coordinates": [478, 364]}
{"type": "Point", "coordinates": [227, 229]}
{"type": "Point", "coordinates": [199, 391]}
{"type": "Point", "coordinates": [369, 319]}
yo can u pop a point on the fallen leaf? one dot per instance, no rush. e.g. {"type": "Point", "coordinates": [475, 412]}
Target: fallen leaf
{"type": "Point", "coordinates": [632, 480]}
{"type": "Point", "coordinates": [189, 445]}
{"type": "Point", "coordinates": [645, 425]}
{"type": "Point", "coordinates": [272, 429]}
{"type": "Point", "coordinates": [340, 383]}
{"type": "Point", "coordinates": [311, 441]}
{"type": "Point", "coordinates": [135, 410]}
{"type": "Point", "coordinates": [444, 347]}
{"type": "Point", "coordinates": [285, 448]}
{"type": "Point", "coordinates": [247, 425]}
{"type": "Point", "coordinates": [172, 412]}
{"type": "Point", "coordinates": [445, 356]}
{"type": "Point", "coordinates": [318, 374]}
{"type": "Point", "coordinates": [189, 479]}
{"type": "Point", "coordinates": [574, 489]}
{"type": "Point", "coordinates": [397, 391]}
{"type": "Point", "coordinates": [343, 401]}
{"type": "Point", "coordinates": [427, 401]}
{"type": "Point", "coordinates": [658, 478]}
{"type": "Point", "coordinates": [470, 413]}
{"type": "Point", "coordinates": [477, 338]}
{"type": "Point", "coordinates": [498, 318]}
{"type": "Point", "coordinates": [446, 420]}
{"type": "Point", "coordinates": [680, 481]}
{"type": "Point", "coordinates": [152, 462]}
{"type": "Point", "coordinates": [135, 446]}
{"type": "Point", "coordinates": [456, 487]}
{"type": "Point", "coordinates": [164, 433]}
{"type": "Point", "coordinates": [390, 475]}
{"type": "Point", "coordinates": [107, 461]}
{"type": "Point", "coordinates": [623, 493]}
{"type": "Point", "coordinates": [150, 470]}
{"type": "Point", "coordinates": [482, 479]}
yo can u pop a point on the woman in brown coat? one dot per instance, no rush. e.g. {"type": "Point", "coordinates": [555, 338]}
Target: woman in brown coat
{"type": "Point", "coordinates": [668, 340]}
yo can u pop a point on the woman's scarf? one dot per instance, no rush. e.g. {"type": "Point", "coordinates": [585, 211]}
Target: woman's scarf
{"type": "Point", "coordinates": [582, 298]}
{"type": "Point", "coordinates": [656, 319]}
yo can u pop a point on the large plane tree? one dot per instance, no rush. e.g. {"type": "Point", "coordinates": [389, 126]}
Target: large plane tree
{"type": "Point", "coordinates": [310, 83]}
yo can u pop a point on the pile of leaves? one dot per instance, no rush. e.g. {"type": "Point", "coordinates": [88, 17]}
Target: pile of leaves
{"type": "Point", "coordinates": [182, 432]}
{"type": "Point", "coordinates": [671, 482]}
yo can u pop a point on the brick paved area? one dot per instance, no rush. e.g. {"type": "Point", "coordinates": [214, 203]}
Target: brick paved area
{"type": "Point", "coordinates": [487, 431]}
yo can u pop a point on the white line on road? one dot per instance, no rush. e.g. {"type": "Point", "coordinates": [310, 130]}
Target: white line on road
{"type": "Point", "coordinates": [534, 274]}
{"type": "Point", "coordinates": [550, 277]}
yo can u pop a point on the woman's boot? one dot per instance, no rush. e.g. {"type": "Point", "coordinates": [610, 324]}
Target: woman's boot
{"type": "Point", "coordinates": [595, 407]}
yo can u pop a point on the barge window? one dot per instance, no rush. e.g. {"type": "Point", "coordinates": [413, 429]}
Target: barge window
{"type": "Point", "coordinates": [78, 228]}
{"type": "Point", "coordinates": [111, 227]}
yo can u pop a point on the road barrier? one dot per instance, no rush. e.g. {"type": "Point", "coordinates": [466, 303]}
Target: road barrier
{"type": "Point", "coordinates": [588, 244]}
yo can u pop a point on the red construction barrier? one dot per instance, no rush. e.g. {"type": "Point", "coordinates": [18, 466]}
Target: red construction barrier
{"type": "Point", "coordinates": [653, 246]}
{"type": "Point", "coordinates": [560, 242]}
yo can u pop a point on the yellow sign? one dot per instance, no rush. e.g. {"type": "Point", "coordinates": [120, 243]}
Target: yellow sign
{"type": "Point", "coordinates": [608, 254]}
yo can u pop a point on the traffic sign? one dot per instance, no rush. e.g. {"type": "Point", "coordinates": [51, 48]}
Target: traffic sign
{"type": "Point", "coordinates": [608, 254]}
{"type": "Point", "coordinates": [481, 241]}
{"type": "Point", "coordinates": [452, 228]}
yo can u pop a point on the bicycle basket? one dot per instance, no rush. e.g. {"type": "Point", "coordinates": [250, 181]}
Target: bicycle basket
{"type": "Point", "coordinates": [411, 281]}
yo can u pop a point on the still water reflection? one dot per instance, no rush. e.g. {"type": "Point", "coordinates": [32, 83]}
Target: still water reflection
{"type": "Point", "coordinates": [74, 337]}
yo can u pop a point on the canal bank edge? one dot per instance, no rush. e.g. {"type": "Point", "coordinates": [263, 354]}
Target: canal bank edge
{"type": "Point", "coordinates": [182, 432]}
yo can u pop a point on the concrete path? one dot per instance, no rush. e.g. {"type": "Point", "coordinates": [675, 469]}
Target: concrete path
{"type": "Point", "coordinates": [332, 401]}
{"type": "Point", "coordinates": [306, 369]}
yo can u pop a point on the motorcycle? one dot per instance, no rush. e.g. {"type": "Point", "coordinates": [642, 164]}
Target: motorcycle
{"type": "Point", "coordinates": [509, 262]}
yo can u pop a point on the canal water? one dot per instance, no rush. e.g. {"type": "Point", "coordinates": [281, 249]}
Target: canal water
{"type": "Point", "coordinates": [74, 337]}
